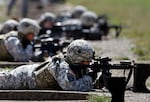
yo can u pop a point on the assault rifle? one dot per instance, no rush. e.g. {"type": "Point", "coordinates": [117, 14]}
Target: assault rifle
{"type": "Point", "coordinates": [50, 46]}
{"type": "Point", "coordinates": [74, 29]}
{"type": "Point", "coordinates": [116, 85]}
{"type": "Point", "coordinates": [105, 27]}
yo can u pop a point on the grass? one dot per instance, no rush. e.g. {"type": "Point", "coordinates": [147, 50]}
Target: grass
{"type": "Point", "coordinates": [132, 13]}
{"type": "Point", "coordinates": [123, 58]}
{"type": "Point", "coordinates": [6, 69]}
{"type": "Point", "coordinates": [94, 98]}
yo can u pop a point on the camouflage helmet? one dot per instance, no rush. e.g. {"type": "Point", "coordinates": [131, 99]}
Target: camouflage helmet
{"type": "Point", "coordinates": [78, 51]}
{"type": "Point", "coordinates": [77, 11]}
{"type": "Point", "coordinates": [27, 25]}
{"type": "Point", "coordinates": [88, 18]}
{"type": "Point", "coordinates": [48, 16]}
{"type": "Point", "coordinates": [9, 25]}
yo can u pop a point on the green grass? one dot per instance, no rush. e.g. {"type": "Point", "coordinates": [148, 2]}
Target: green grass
{"type": "Point", "coordinates": [94, 98]}
{"type": "Point", "coordinates": [123, 58]}
{"type": "Point", "coordinates": [133, 13]}
{"type": "Point", "coordinates": [6, 69]}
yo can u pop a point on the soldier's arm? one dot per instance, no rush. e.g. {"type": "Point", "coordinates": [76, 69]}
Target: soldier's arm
{"type": "Point", "coordinates": [15, 48]}
{"type": "Point", "coordinates": [67, 80]}
{"type": "Point", "coordinates": [82, 84]}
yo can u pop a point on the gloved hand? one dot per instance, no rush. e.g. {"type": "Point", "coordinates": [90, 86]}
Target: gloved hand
{"type": "Point", "coordinates": [99, 83]}
{"type": "Point", "coordinates": [93, 75]}
{"type": "Point", "coordinates": [29, 50]}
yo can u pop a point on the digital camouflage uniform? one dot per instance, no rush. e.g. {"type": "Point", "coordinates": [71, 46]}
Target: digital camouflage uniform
{"type": "Point", "coordinates": [34, 76]}
{"type": "Point", "coordinates": [19, 78]}
{"type": "Point", "coordinates": [53, 74]}
{"type": "Point", "coordinates": [66, 79]}
{"type": "Point", "coordinates": [12, 48]}
{"type": "Point", "coordinates": [16, 46]}
{"type": "Point", "coordinates": [58, 76]}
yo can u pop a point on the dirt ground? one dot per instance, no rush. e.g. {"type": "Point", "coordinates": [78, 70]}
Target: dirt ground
{"type": "Point", "coordinates": [119, 48]}
{"type": "Point", "coordinates": [137, 97]}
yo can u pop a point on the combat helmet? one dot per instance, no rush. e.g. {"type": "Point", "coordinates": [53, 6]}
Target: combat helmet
{"type": "Point", "coordinates": [9, 25]}
{"type": "Point", "coordinates": [88, 18]}
{"type": "Point", "coordinates": [78, 11]}
{"type": "Point", "coordinates": [79, 51]}
{"type": "Point", "coordinates": [48, 16]}
{"type": "Point", "coordinates": [27, 26]}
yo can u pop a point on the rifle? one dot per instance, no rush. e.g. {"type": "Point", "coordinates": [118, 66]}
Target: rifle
{"type": "Point", "coordinates": [73, 29]}
{"type": "Point", "coordinates": [105, 27]}
{"type": "Point", "coordinates": [50, 46]}
{"type": "Point", "coordinates": [116, 85]}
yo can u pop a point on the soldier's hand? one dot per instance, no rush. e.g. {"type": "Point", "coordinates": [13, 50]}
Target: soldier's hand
{"type": "Point", "coordinates": [93, 75]}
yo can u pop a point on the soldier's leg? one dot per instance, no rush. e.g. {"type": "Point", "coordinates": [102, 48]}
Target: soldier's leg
{"type": "Point", "coordinates": [5, 80]}
{"type": "Point", "coordinates": [24, 9]}
{"type": "Point", "coordinates": [10, 6]}
{"type": "Point", "coordinates": [44, 2]}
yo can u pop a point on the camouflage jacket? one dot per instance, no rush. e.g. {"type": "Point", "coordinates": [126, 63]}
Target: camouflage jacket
{"type": "Point", "coordinates": [19, 78]}
{"type": "Point", "coordinates": [24, 77]}
{"type": "Point", "coordinates": [16, 50]}
{"type": "Point", "coordinates": [65, 77]}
